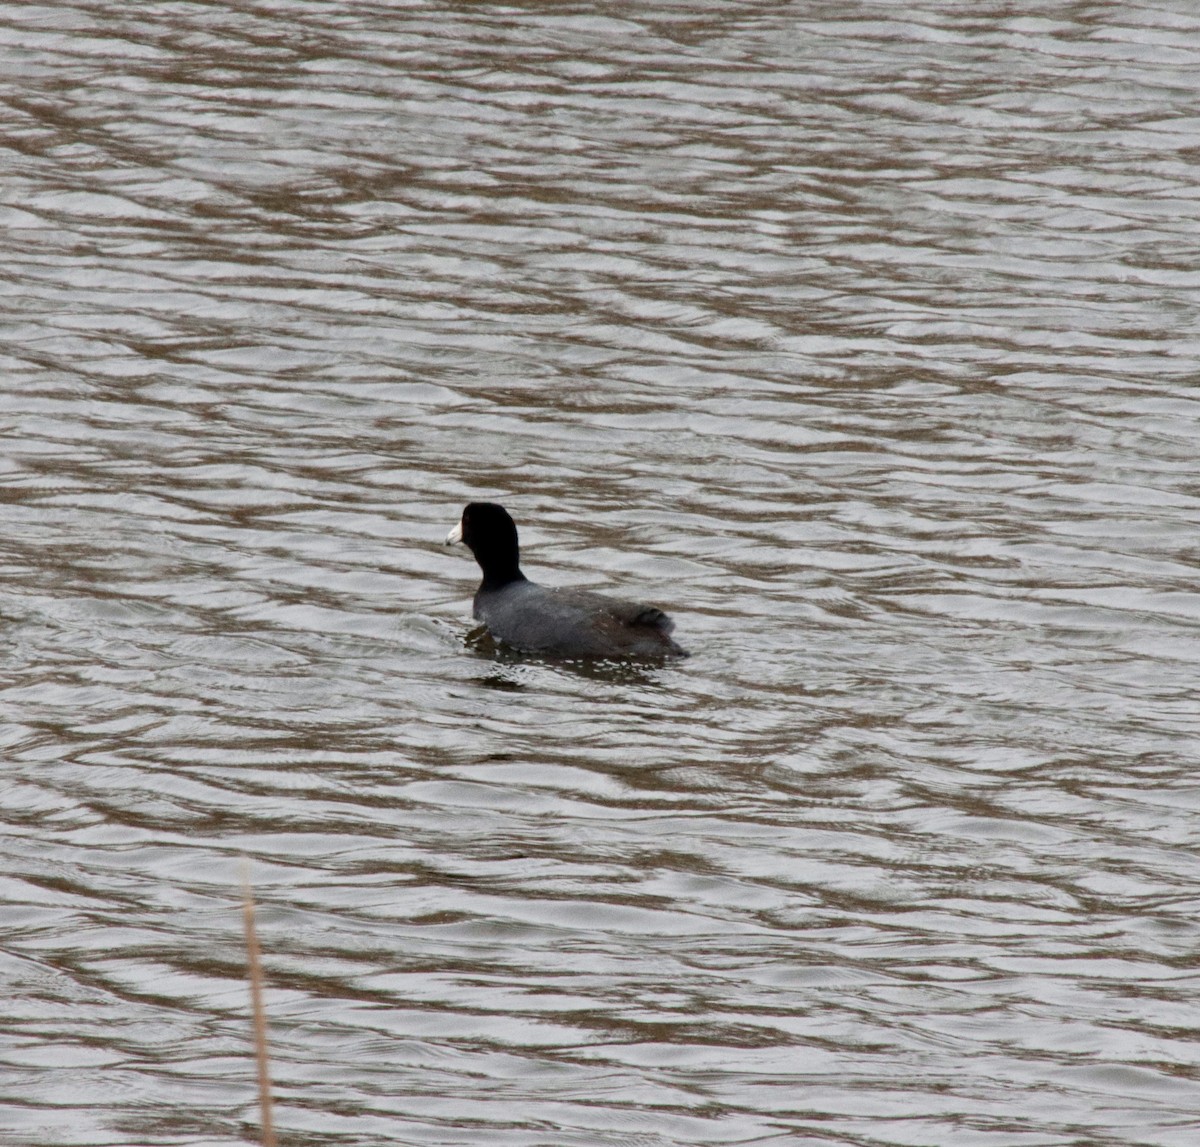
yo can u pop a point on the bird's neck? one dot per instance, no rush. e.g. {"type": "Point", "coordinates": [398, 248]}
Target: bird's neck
{"type": "Point", "coordinates": [501, 575]}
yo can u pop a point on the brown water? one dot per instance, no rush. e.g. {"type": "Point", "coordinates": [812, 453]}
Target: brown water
{"type": "Point", "coordinates": [862, 337]}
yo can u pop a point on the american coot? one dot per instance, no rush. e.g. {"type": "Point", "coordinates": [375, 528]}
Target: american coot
{"type": "Point", "coordinates": [559, 622]}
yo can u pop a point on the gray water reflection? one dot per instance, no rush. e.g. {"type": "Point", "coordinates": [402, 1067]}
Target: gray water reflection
{"type": "Point", "coordinates": [862, 340]}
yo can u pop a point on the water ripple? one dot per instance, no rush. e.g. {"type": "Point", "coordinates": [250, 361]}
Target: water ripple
{"type": "Point", "coordinates": [864, 342]}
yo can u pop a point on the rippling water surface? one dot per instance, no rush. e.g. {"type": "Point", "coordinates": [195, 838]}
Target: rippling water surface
{"type": "Point", "coordinates": [862, 337]}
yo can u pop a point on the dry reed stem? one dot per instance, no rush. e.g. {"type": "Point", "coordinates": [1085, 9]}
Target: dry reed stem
{"type": "Point", "coordinates": [260, 1015]}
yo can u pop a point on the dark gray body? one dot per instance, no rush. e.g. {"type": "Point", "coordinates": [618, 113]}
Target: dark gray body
{"type": "Point", "coordinates": [574, 623]}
